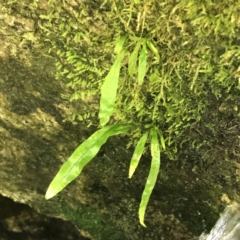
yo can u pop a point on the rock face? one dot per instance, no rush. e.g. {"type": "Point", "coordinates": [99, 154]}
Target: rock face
{"type": "Point", "coordinates": [227, 226]}
{"type": "Point", "coordinates": [101, 202]}
{"type": "Point", "coordinates": [19, 221]}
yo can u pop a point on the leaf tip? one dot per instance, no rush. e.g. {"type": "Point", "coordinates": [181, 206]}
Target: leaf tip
{"type": "Point", "coordinates": [131, 172]}
{"type": "Point", "coordinates": [49, 194]}
{"type": "Point", "coordinates": [142, 223]}
{"type": "Point", "coordinates": [141, 213]}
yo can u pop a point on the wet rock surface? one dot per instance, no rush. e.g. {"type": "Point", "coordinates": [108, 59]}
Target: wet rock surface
{"type": "Point", "coordinates": [20, 222]}
{"type": "Point", "coordinates": [102, 202]}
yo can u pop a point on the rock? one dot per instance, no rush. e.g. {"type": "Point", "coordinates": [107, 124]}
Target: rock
{"type": "Point", "coordinates": [19, 221]}
{"type": "Point", "coordinates": [102, 202]}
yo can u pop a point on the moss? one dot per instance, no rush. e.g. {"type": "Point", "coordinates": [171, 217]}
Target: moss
{"type": "Point", "coordinates": [91, 222]}
{"type": "Point", "coordinates": [198, 47]}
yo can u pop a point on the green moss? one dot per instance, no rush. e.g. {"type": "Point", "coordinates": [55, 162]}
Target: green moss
{"type": "Point", "coordinates": [198, 46]}
{"type": "Point", "coordinates": [92, 222]}
{"type": "Point", "coordinates": [194, 61]}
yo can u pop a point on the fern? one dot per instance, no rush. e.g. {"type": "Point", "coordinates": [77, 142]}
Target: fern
{"type": "Point", "coordinates": [160, 75]}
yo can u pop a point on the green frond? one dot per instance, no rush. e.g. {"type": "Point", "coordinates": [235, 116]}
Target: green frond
{"type": "Point", "coordinates": [169, 72]}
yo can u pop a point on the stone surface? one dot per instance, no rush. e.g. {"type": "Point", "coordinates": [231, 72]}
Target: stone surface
{"type": "Point", "coordinates": [19, 221]}
{"type": "Point", "coordinates": [102, 202]}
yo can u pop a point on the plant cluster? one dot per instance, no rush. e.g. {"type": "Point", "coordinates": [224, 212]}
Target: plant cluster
{"type": "Point", "coordinates": [152, 65]}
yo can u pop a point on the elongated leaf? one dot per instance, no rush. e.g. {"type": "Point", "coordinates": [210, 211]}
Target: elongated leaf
{"type": "Point", "coordinates": [152, 177]}
{"type": "Point", "coordinates": [153, 49]}
{"type": "Point", "coordinates": [81, 156]}
{"type": "Point", "coordinates": [137, 154]}
{"type": "Point", "coordinates": [109, 91]}
{"type": "Point", "coordinates": [119, 45]}
{"type": "Point", "coordinates": [142, 64]}
{"type": "Point", "coordinates": [162, 140]}
{"type": "Point", "coordinates": [132, 61]}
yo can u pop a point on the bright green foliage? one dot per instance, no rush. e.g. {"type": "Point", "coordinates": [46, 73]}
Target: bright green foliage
{"type": "Point", "coordinates": [152, 177]}
{"type": "Point", "coordinates": [81, 156]}
{"type": "Point", "coordinates": [154, 50]}
{"type": "Point", "coordinates": [162, 141]}
{"type": "Point", "coordinates": [109, 91]}
{"type": "Point", "coordinates": [172, 61]}
{"type": "Point", "coordinates": [132, 61]}
{"type": "Point", "coordinates": [137, 154]}
{"type": "Point", "coordinates": [142, 65]}
{"type": "Point", "coordinates": [119, 45]}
